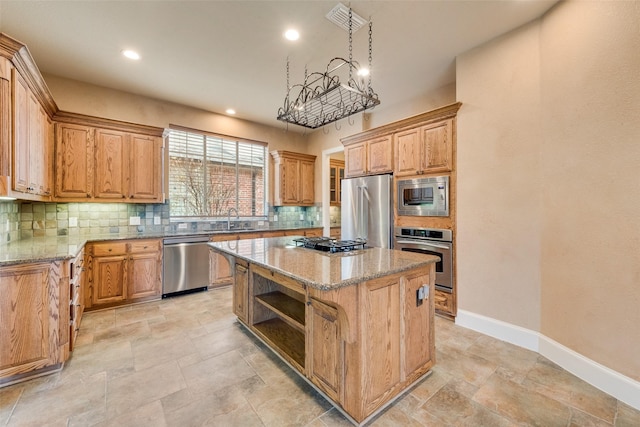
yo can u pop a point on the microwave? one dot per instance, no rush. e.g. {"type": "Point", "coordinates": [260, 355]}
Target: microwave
{"type": "Point", "coordinates": [423, 196]}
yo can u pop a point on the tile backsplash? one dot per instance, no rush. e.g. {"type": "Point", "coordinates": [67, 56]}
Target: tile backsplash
{"type": "Point", "coordinates": [23, 219]}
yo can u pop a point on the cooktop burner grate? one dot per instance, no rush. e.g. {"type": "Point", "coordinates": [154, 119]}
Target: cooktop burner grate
{"type": "Point", "coordinates": [328, 244]}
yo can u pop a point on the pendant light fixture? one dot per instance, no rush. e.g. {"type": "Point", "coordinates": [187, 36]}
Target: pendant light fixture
{"type": "Point", "coordinates": [323, 97]}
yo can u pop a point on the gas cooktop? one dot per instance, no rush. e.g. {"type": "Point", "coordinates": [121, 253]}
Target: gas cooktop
{"type": "Point", "coordinates": [328, 244]}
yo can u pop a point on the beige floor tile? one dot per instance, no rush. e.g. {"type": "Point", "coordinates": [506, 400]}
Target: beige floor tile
{"type": "Point", "coordinates": [55, 405]}
{"type": "Point", "coordinates": [627, 416]}
{"type": "Point", "coordinates": [129, 392]}
{"type": "Point", "coordinates": [451, 407]}
{"type": "Point", "coordinates": [466, 366]}
{"type": "Point", "coordinates": [430, 385]}
{"type": "Point", "coordinates": [582, 419]}
{"type": "Point", "coordinates": [217, 372]}
{"type": "Point", "coordinates": [8, 399]}
{"type": "Point", "coordinates": [559, 384]}
{"type": "Point", "coordinates": [514, 362]}
{"type": "Point", "coordinates": [149, 351]}
{"type": "Point", "coordinates": [150, 415]}
{"type": "Point", "coordinates": [520, 404]}
{"type": "Point", "coordinates": [331, 418]}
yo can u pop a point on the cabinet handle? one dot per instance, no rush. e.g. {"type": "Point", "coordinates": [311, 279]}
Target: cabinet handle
{"type": "Point", "coordinates": [123, 196]}
{"type": "Point", "coordinates": [145, 247]}
{"type": "Point", "coordinates": [88, 195]}
{"type": "Point", "coordinates": [110, 249]}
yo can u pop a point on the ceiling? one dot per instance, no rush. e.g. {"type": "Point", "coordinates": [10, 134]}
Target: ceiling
{"type": "Point", "coordinates": [215, 55]}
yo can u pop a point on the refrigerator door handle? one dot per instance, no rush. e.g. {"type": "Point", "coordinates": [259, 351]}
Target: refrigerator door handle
{"type": "Point", "coordinates": [365, 213]}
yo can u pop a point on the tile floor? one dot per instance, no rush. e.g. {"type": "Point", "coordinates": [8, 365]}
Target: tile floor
{"type": "Point", "coordinates": [186, 362]}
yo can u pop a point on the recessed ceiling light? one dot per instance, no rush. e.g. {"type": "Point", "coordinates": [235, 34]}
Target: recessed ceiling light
{"type": "Point", "coordinates": [231, 111]}
{"type": "Point", "coordinates": [292, 34]}
{"type": "Point", "coordinates": [131, 54]}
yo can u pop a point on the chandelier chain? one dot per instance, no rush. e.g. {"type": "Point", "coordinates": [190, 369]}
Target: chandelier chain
{"type": "Point", "coordinates": [350, 40]}
{"type": "Point", "coordinates": [370, 50]}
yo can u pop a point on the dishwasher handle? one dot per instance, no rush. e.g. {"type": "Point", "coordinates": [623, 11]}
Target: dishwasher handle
{"type": "Point", "coordinates": [185, 239]}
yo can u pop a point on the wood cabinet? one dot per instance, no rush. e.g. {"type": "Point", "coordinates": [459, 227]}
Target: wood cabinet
{"type": "Point", "coordinates": [325, 348]}
{"type": "Point", "coordinates": [31, 143]}
{"type": "Point", "coordinates": [123, 272]}
{"type": "Point", "coordinates": [368, 157]}
{"type": "Point", "coordinates": [241, 291]}
{"type": "Point", "coordinates": [293, 178]}
{"type": "Point", "coordinates": [424, 149]}
{"type": "Point", "coordinates": [336, 175]}
{"type": "Point", "coordinates": [445, 304]}
{"type": "Point", "coordinates": [35, 319]}
{"type": "Point", "coordinates": [102, 160]}
{"type": "Point", "coordinates": [76, 293]}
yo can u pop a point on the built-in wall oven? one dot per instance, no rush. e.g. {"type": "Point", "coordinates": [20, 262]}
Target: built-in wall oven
{"type": "Point", "coordinates": [430, 241]}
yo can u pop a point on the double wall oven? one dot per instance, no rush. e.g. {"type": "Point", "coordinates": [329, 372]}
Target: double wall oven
{"type": "Point", "coordinates": [430, 241]}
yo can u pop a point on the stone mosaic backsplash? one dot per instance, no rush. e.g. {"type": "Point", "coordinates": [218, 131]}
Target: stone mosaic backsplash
{"type": "Point", "coordinates": [21, 220]}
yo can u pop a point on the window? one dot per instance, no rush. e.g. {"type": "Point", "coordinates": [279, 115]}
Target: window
{"type": "Point", "coordinates": [210, 174]}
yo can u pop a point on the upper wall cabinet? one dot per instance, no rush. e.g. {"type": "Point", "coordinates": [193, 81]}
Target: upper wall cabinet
{"type": "Point", "coordinates": [26, 142]}
{"type": "Point", "coordinates": [294, 178]}
{"type": "Point", "coordinates": [424, 149]}
{"type": "Point", "coordinates": [103, 160]}
{"type": "Point", "coordinates": [371, 156]}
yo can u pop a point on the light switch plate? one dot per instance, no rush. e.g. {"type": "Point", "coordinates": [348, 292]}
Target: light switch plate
{"type": "Point", "coordinates": [73, 221]}
{"type": "Point", "coordinates": [156, 220]}
{"type": "Point", "coordinates": [182, 226]}
{"type": "Point", "coordinates": [134, 220]}
{"type": "Point", "coordinates": [275, 218]}
{"type": "Point", "coordinates": [301, 217]}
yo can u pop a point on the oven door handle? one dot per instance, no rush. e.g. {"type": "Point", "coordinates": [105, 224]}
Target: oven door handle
{"type": "Point", "coordinates": [421, 242]}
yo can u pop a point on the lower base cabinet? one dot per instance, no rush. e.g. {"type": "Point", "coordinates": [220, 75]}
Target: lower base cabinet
{"type": "Point", "coordinates": [122, 272]}
{"type": "Point", "coordinates": [34, 311]}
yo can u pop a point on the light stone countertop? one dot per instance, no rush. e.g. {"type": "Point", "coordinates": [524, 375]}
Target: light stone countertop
{"type": "Point", "coordinates": [58, 248]}
{"type": "Point", "coordinates": [322, 270]}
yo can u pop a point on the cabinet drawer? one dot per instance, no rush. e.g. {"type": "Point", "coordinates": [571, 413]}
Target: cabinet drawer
{"type": "Point", "coordinates": [144, 246]}
{"type": "Point", "coordinates": [109, 248]}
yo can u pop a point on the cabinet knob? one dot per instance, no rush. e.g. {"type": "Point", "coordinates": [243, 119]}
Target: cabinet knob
{"type": "Point", "coordinates": [110, 249]}
{"type": "Point", "coordinates": [88, 195]}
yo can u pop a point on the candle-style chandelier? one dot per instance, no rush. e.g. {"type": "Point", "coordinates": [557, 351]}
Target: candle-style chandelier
{"type": "Point", "coordinates": [323, 98]}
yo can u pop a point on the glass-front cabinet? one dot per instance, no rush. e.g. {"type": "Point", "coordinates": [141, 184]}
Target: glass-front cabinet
{"type": "Point", "coordinates": [336, 174]}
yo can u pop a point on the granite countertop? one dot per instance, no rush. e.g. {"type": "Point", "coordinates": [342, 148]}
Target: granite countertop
{"type": "Point", "coordinates": [322, 270]}
{"type": "Point", "coordinates": [43, 249]}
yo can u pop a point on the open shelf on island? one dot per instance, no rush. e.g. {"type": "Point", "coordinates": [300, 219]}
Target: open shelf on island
{"type": "Point", "coordinates": [288, 308]}
{"type": "Point", "coordinates": [285, 338]}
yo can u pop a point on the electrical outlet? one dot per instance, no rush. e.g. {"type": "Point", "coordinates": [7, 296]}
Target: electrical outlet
{"type": "Point", "coordinates": [134, 220]}
{"type": "Point", "coordinates": [73, 221]}
{"type": "Point", "coordinates": [182, 226]}
{"type": "Point", "coordinates": [317, 217]}
{"type": "Point", "coordinates": [301, 217]}
{"type": "Point", "coordinates": [275, 218]}
{"type": "Point", "coordinates": [157, 220]}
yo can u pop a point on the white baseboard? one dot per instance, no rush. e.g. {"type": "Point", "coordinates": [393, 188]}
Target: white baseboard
{"type": "Point", "coordinates": [611, 382]}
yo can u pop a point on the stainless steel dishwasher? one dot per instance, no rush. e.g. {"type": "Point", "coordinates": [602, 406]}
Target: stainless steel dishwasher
{"type": "Point", "coordinates": [185, 266]}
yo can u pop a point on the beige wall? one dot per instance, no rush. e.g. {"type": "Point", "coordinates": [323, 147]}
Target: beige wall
{"type": "Point", "coordinates": [548, 181]}
{"type": "Point", "coordinates": [83, 98]}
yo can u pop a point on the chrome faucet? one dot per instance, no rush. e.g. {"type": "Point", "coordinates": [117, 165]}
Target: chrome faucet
{"type": "Point", "coordinates": [229, 217]}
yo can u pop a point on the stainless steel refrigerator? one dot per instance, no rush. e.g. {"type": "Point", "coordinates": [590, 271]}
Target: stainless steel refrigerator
{"type": "Point", "coordinates": [367, 210]}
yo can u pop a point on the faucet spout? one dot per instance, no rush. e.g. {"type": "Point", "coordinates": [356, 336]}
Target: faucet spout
{"type": "Point", "coordinates": [229, 217]}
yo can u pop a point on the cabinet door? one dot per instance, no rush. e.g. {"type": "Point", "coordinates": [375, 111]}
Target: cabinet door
{"type": "Point", "coordinates": [146, 168]}
{"type": "Point", "coordinates": [355, 158]}
{"type": "Point", "coordinates": [21, 126]}
{"type": "Point", "coordinates": [333, 188]}
{"type": "Point", "coordinates": [111, 164]}
{"type": "Point", "coordinates": [438, 146]}
{"type": "Point", "coordinates": [241, 293]}
{"type": "Point", "coordinates": [381, 348]}
{"type": "Point", "coordinates": [290, 176]}
{"type": "Point", "coordinates": [144, 278]}
{"type": "Point", "coordinates": [73, 164]}
{"type": "Point", "coordinates": [380, 155]}
{"type": "Point", "coordinates": [220, 270]}
{"type": "Point", "coordinates": [29, 304]}
{"type": "Point", "coordinates": [306, 181]}
{"type": "Point", "coordinates": [407, 152]}
{"type": "Point", "coordinates": [417, 320]}
{"type": "Point", "coordinates": [36, 166]}
{"type": "Point", "coordinates": [325, 353]}
{"type": "Point", "coordinates": [109, 275]}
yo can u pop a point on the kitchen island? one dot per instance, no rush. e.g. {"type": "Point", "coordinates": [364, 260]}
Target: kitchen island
{"type": "Point", "coordinates": [357, 325]}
